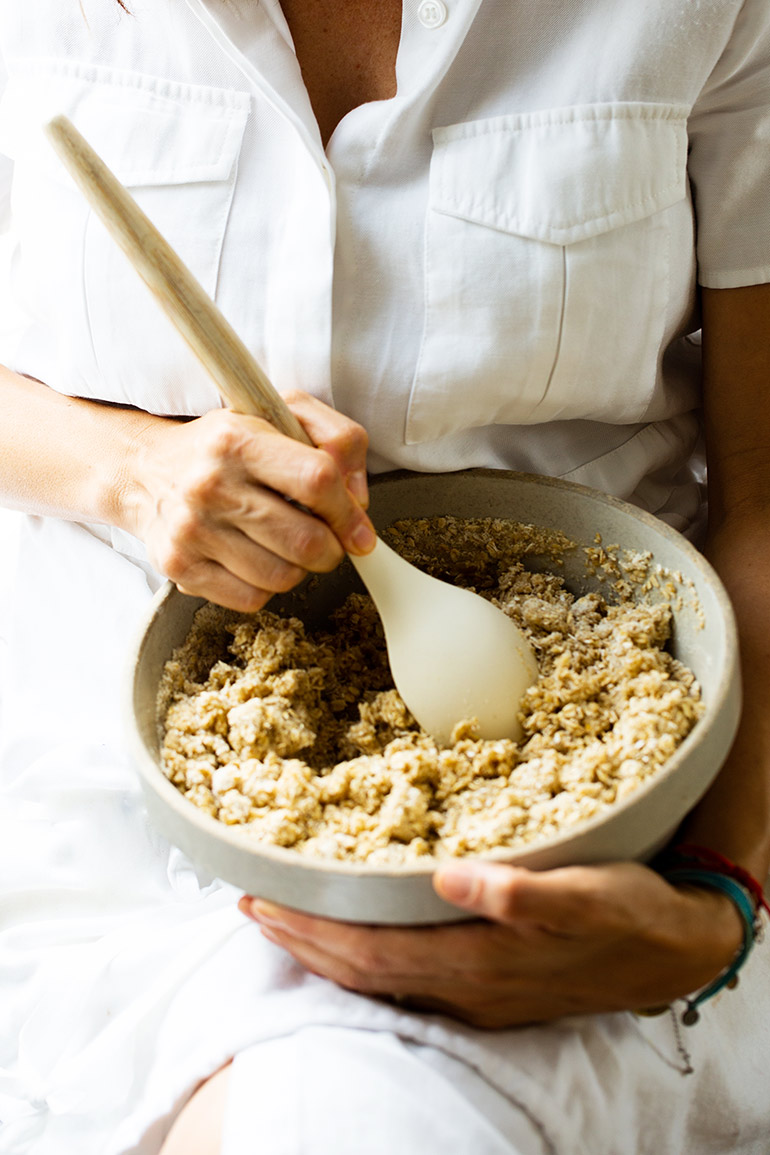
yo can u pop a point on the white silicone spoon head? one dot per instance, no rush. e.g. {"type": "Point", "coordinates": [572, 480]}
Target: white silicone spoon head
{"type": "Point", "coordinates": [453, 655]}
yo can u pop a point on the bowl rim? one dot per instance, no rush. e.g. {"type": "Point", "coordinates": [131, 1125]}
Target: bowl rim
{"type": "Point", "coordinates": [237, 835]}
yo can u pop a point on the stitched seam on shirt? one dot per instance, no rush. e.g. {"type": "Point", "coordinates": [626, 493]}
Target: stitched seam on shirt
{"type": "Point", "coordinates": [664, 114]}
{"type": "Point", "coordinates": [409, 420]}
{"type": "Point", "coordinates": [742, 275]}
{"type": "Point", "coordinates": [231, 182]}
{"type": "Point", "coordinates": [669, 116]}
{"type": "Point", "coordinates": [444, 190]}
{"type": "Point", "coordinates": [229, 121]}
{"type": "Point", "coordinates": [86, 295]}
{"type": "Point", "coordinates": [103, 77]}
{"type": "Point", "coordinates": [664, 287]}
{"type": "Point", "coordinates": [514, 224]}
{"type": "Point", "coordinates": [192, 172]}
{"type": "Point", "coordinates": [560, 334]}
{"type": "Point", "coordinates": [653, 426]}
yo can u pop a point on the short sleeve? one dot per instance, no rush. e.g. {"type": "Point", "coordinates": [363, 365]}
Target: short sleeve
{"type": "Point", "coordinates": [729, 162]}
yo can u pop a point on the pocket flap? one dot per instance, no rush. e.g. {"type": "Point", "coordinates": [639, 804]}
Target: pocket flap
{"type": "Point", "coordinates": [149, 131]}
{"type": "Point", "coordinates": [565, 174]}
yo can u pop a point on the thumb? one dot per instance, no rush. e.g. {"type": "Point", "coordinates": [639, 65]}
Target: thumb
{"type": "Point", "coordinates": [488, 889]}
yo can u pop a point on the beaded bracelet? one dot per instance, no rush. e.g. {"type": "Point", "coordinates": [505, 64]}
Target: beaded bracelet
{"type": "Point", "coordinates": [704, 867]}
{"type": "Point", "coordinates": [688, 854]}
{"type": "Point", "coordinates": [742, 899]}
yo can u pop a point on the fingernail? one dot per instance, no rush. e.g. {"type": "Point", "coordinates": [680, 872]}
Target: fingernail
{"type": "Point", "coordinates": [357, 484]}
{"type": "Point", "coordinates": [457, 885]}
{"type": "Point", "coordinates": [244, 906]}
{"type": "Point", "coordinates": [266, 912]}
{"type": "Point", "coordinates": [364, 537]}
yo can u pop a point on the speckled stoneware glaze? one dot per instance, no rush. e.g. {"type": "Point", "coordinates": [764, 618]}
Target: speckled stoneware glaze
{"type": "Point", "coordinates": [704, 639]}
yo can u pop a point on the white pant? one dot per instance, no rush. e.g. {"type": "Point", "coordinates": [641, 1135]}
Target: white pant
{"type": "Point", "coordinates": [337, 1091]}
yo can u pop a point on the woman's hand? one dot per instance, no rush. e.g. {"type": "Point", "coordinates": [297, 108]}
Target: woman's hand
{"type": "Point", "coordinates": [216, 500]}
{"type": "Point", "coordinates": [559, 942]}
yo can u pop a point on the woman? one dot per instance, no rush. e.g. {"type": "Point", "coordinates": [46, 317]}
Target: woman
{"type": "Point", "coordinates": [477, 230]}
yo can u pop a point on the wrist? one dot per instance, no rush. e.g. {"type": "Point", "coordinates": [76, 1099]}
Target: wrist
{"type": "Point", "coordinates": [126, 497]}
{"type": "Point", "coordinates": [725, 904]}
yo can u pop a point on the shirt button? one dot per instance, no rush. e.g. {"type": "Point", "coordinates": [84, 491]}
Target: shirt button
{"type": "Point", "coordinates": [432, 13]}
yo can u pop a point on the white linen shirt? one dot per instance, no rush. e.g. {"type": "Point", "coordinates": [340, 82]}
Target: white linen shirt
{"type": "Point", "coordinates": [494, 268]}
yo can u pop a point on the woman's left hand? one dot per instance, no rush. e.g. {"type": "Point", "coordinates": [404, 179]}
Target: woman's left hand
{"type": "Point", "coordinates": [569, 941]}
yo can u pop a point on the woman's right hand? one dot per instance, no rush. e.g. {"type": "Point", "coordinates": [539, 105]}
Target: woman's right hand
{"type": "Point", "coordinates": [216, 501]}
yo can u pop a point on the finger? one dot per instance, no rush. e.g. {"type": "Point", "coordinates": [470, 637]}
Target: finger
{"type": "Point", "coordinates": [256, 564]}
{"type": "Point", "coordinates": [338, 970]}
{"type": "Point", "coordinates": [474, 998]}
{"type": "Point", "coordinates": [381, 956]}
{"type": "Point", "coordinates": [217, 498]}
{"type": "Point", "coordinates": [274, 543]}
{"type": "Point", "coordinates": [568, 902]}
{"type": "Point", "coordinates": [344, 439]}
{"type": "Point", "coordinates": [371, 946]}
{"type": "Point", "coordinates": [211, 581]}
{"type": "Point", "coordinates": [295, 535]}
{"type": "Point", "coordinates": [425, 987]}
{"type": "Point", "coordinates": [239, 456]}
{"type": "Point", "coordinates": [487, 889]}
{"type": "Point", "coordinates": [311, 478]}
{"type": "Point", "coordinates": [485, 1001]}
{"type": "Point", "coordinates": [194, 562]}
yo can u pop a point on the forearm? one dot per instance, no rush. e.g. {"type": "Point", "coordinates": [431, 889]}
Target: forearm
{"type": "Point", "coordinates": [66, 457]}
{"type": "Point", "coordinates": [227, 507]}
{"type": "Point", "coordinates": [734, 817]}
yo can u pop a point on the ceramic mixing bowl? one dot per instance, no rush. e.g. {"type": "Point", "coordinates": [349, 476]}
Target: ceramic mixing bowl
{"type": "Point", "coordinates": [704, 639]}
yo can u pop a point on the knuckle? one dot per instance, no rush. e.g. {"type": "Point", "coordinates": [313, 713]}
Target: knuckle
{"type": "Point", "coordinates": [353, 440]}
{"type": "Point", "coordinates": [224, 435]}
{"type": "Point", "coordinates": [366, 961]}
{"type": "Point", "coordinates": [252, 600]}
{"type": "Point", "coordinates": [349, 981]}
{"type": "Point", "coordinates": [222, 422]}
{"type": "Point", "coordinates": [180, 550]}
{"type": "Point", "coordinates": [201, 487]}
{"type": "Point", "coordinates": [347, 975]}
{"type": "Point", "coordinates": [501, 900]}
{"type": "Point", "coordinates": [314, 546]}
{"type": "Point", "coordinates": [298, 397]}
{"type": "Point", "coordinates": [593, 910]}
{"type": "Point", "coordinates": [280, 577]}
{"type": "Point", "coordinates": [185, 530]}
{"type": "Point", "coordinates": [177, 564]}
{"type": "Point", "coordinates": [318, 475]}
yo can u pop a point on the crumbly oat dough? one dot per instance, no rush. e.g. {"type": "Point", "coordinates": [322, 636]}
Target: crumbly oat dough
{"type": "Point", "coordinates": [303, 739]}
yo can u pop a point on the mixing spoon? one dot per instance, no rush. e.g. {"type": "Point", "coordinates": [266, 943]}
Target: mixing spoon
{"type": "Point", "coordinates": [453, 655]}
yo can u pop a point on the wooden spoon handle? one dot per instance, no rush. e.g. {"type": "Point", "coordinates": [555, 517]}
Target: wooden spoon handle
{"type": "Point", "coordinates": [237, 375]}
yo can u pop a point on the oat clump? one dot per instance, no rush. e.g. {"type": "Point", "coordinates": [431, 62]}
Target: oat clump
{"type": "Point", "coordinates": [301, 738]}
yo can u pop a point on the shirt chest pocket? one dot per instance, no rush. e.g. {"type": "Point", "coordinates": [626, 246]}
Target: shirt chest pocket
{"type": "Point", "coordinates": [175, 146]}
{"type": "Point", "coordinates": [547, 250]}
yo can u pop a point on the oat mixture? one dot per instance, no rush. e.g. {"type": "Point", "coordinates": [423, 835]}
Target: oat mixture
{"type": "Point", "coordinates": [301, 737]}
